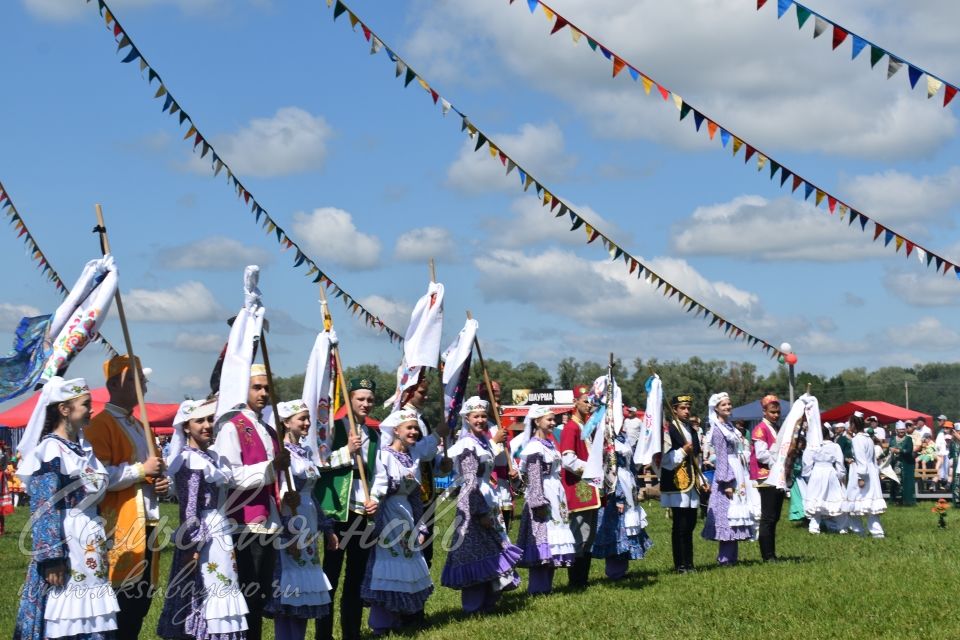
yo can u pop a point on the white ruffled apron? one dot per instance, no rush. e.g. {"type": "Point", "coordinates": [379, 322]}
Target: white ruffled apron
{"type": "Point", "coordinates": [302, 580]}
{"type": "Point", "coordinates": [224, 607]}
{"type": "Point", "coordinates": [398, 567]}
{"type": "Point", "coordinates": [86, 603]}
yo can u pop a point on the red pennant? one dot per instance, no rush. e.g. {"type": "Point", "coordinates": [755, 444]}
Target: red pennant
{"type": "Point", "coordinates": [559, 24]}
{"type": "Point", "coordinates": [750, 152]}
{"type": "Point", "coordinates": [760, 4]}
{"type": "Point", "coordinates": [246, 196]}
{"type": "Point", "coordinates": [116, 29]}
{"type": "Point", "coordinates": [633, 265]}
{"type": "Point", "coordinates": [664, 92]}
{"type": "Point", "coordinates": [618, 65]}
{"type": "Point", "coordinates": [197, 140]}
{"type": "Point", "coordinates": [554, 202]}
{"type": "Point", "coordinates": [910, 246]}
{"type": "Point", "coordinates": [366, 32]}
{"type": "Point", "coordinates": [831, 203]}
{"type": "Point", "coordinates": [593, 236]}
{"type": "Point", "coordinates": [839, 35]}
{"type": "Point", "coordinates": [797, 181]}
{"type": "Point", "coordinates": [22, 231]}
{"type": "Point", "coordinates": [877, 230]}
{"type": "Point", "coordinates": [503, 158]}
{"type": "Point", "coordinates": [436, 96]}
{"type": "Point", "coordinates": [948, 94]}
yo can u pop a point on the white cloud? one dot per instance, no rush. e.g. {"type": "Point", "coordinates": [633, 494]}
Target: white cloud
{"type": "Point", "coordinates": [893, 196]}
{"type": "Point", "coordinates": [187, 302]}
{"type": "Point", "coordinates": [214, 253]}
{"type": "Point", "coordinates": [395, 313]}
{"type": "Point", "coordinates": [291, 141]}
{"type": "Point", "coordinates": [538, 148]}
{"type": "Point", "coordinates": [65, 10]}
{"type": "Point", "coordinates": [688, 46]}
{"type": "Point", "coordinates": [11, 314]}
{"type": "Point", "coordinates": [419, 245]}
{"type": "Point", "coordinates": [330, 232]}
{"type": "Point", "coordinates": [533, 224]}
{"type": "Point", "coordinates": [923, 288]}
{"type": "Point", "coordinates": [211, 342]}
{"type": "Point", "coordinates": [601, 293]}
{"type": "Point", "coordinates": [927, 334]}
{"type": "Point", "coordinates": [193, 383]}
{"type": "Point", "coordinates": [782, 229]}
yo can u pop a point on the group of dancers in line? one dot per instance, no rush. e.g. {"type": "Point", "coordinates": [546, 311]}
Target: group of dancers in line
{"type": "Point", "coordinates": [251, 544]}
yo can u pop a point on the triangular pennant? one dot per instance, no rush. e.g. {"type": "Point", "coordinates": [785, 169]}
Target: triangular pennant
{"type": "Point", "coordinates": [664, 92]}
{"type": "Point", "coordinates": [819, 198]}
{"type": "Point", "coordinates": [782, 7]}
{"type": "Point", "coordinates": [839, 35]}
{"type": "Point", "coordinates": [761, 160]}
{"type": "Point", "coordinates": [698, 119]}
{"type": "Point", "coordinates": [802, 14]}
{"type": "Point", "coordinates": [914, 75]}
{"type": "Point", "coordinates": [685, 109]}
{"type": "Point", "coordinates": [737, 143]}
{"type": "Point", "coordinates": [819, 26]}
{"type": "Point", "coordinates": [877, 230]}
{"type": "Point", "coordinates": [948, 94]}
{"type": "Point", "coordinates": [636, 75]}
{"type": "Point", "coordinates": [481, 139]}
{"type": "Point", "coordinates": [409, 77]}
{"type": "Point", "coordinates": [784, 174]}
{"type": "Point", "coordinates": [647, 84]}
{"type": "Point", "coordinates": [338, 9]}
{"type": "Point", "coordinates": [876, 55]}
{"type": "Point", "coordinates": [797, 181]}
{"type": "Point", "coordinates": [910, 247]}
{"type": "Point", "coordinates": [887, 237]}
{"type": "Point", "coordinates": [807, 190]}
{"type": "Point", "coordinates": [858, 45]}
{"type": "Point", "coordinates": [893, 66]}
{"type": "Point", "coordinates": [933, 85]}
{"type": "Point", "coordinates": [575, 35]}
{"type": "Point", "coordinates": [618, 65]}
{"type": "Point", "coordinates": [724, 137]}
{"type": "Point", "coordinates": [863, 222]}
{"type": "Point", "coordinates": [899, 243]}
{"type": "Point", "coordinates": [401, 68]}
{"type": "Point", "coordinates": [577, 221]}
{"type": "Point", "coordinates": [444, 106]}
{"type": "Point", "coordinates": [831, 203]}
{"type": "Point", "coordinates": [559, 24]}
{"type": "Point", "coordinates": [749, 153]}
{"type": "Point", "coordinates": [711, 128]}
{"type": "Point", "coordinates": [774, 167]}
{"type": "Point", "coordinates": [533, 5]}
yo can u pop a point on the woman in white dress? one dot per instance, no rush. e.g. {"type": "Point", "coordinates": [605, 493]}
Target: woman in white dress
{"type": "Point", "coordinates": [545, 536]}
{"type": "Point", "coordinates": [864, 495]}
{"type": "Point", "coordinates": [203, 598]}
{"type": "Point", "coordinates": [67, 593]}
{"type": "Point", "coordinates": [397, 582]}
{"type": "Point", "coordinates": [302, 590]}
{"type": "Point", "coordinates": [824, 494]}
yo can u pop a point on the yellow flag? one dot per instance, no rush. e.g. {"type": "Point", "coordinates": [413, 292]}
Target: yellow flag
{"type": "Point", "coordinates": [191, 133]}
{"type": "Point", "coordinates": [589, 231]}
{"type": "Point", "coordinates": [737, 143]}
{"type": "Point", "coordinates": [899, 242]}
{"type": "Point", "coordinates": [547, 13]}
{"type": "Point", "coordinates": [647, 84]}
{"type": "Point", "coordinates": [820, 196]}
{"type": "Point", "coordinates": [547, 198]}
{"type": "Point", "coordinates": [493, 150]}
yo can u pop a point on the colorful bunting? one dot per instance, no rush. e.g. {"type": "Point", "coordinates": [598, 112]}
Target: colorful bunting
{"type": "Point", "coordinates": [46, 269]}
{"type": "Point", "coordinates": [859, 42]}
{"type": "Point", "coordinates": [548, 197]}
{"type": "Point", "coordinates": [840, 34]}
{"type": "Point", "coordinates": [217, 163]}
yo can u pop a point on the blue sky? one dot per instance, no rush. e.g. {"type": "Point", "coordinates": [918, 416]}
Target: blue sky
{"type": "Point", "coordinates": [372, 180]}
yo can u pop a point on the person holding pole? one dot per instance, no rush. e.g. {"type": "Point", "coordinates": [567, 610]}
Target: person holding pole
{"type": "Point", "coordinates": [342, 495]}
{"type": "Point", "coordinates": [678, 481]}
{"type": "Point", "coordinates": [763, 452]}
{"type": "Point", "coordinates": [504, 472]}
{"type": "Point", "coordinates": [136, 480]}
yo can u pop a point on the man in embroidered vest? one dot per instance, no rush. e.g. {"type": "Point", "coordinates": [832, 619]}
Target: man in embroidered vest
{"type": "Point", "coordinates": [341, 496]}
{"type": "Point", "coordinates": [583, 499]}
{"type": "Point", "coordinates": [249, 446]}
{"type": "Point", "coordinates": [763, 453]}
{"type": "Point", "coordinates": [130, 508]}
{"type": "Point", "coordinates": [679, 480]}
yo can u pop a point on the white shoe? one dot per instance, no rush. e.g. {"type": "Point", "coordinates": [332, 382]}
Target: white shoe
{"type": "Point", "coordinates": [842, 532]}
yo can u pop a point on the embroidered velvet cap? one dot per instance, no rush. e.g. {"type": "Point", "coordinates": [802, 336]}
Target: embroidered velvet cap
{"type": "Point", "coordinates": [359, 384]}
{"type": "Point", "coordinates": [580, 390]}
{"type": "Point", "coordinates": [681, 399]}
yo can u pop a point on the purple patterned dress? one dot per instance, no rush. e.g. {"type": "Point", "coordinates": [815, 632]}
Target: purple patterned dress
{"type": "Point", "coordinates": [478, 554]}
{"type": "Point", "coordinates": [546, 538]}
{"type": "Point", "coordinates": [730, 519]}
{"type": "Point", "coordinates": [202, 600]}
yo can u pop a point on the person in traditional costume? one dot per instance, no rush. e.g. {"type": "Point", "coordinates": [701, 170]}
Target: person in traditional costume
{"type": "Point", "coordinates": [481, 559]}
{"type": "Point", "coordinates": [503, 472]}
{"type": "Point", "coordinates": [248, 446]}
{"type": "Point", "coordinates": [545, 535]}
{"type": "Point", "coordinates": [131, 507]}
{"type": "Point", "coordinates": [824, 469]}
{"type": "Point", "coordinates": [303, 591]}
{"type": "Point", "coordinates": [340, 495]}
{"type": "Point", "coordinates": [734, 507]}
{"type": "Point", "coordinates": [798, 480]}
{"type": "Point", "coordinates": [622, 522]}
{"type": "Point", "coordinates": [864, 496]}
{"type": "Point", "coordinates": [202, 597]}
{"type": "Point", "coordinates": [678, 481]}
{"type": "Point", "coordinates": [904, 456]}
{"type": "Point", "coordinates": [582, 498]}
{"type": "Point", "coordinates": [397, 581]}
{"type": "Point", "coordinates": [67, 592]}
{"type": "Point", "coordinates": [763, 452]}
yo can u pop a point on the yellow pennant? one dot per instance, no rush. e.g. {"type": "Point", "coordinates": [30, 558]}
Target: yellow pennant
{"type": "Point", "coordinates": [547, 13]}
{"type": "Point", "coordinates": [547, 197]}
{"type": "Point", "coordinates": [737, 143]}
{"type": "Point", "coordinates": [899, 242]}
{"type": "Point", "coordinates": [190, 133]}
{"type": "Point", "coordinates": [647, 84]}
{"type": "Point", "coordinates": [353, 20]}
{"type": "Point", "coordinates": [423, 83]}
{"type": "Point", "coordinates": [107, 17]}
{"type": "Point", "coordinates": [589, 231]}
{"type": "Point", "coordinates": [843, 210]}
{"type": "Point", "coordinates": [161, 90]}
{"type": "Point", "coordinates": [933, 85]}
{"type": "Point", "coordinates": [820, 196]}
{"type": "Point", "coordinates": [493, 150]}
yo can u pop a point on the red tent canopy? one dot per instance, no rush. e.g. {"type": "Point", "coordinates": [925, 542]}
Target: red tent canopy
{"type": "Point", "coordinates": [342, 413]}
{"type": "Point", "coordinates": [886, 413]}
{"type": "Point", "coordinates": [160, 415]}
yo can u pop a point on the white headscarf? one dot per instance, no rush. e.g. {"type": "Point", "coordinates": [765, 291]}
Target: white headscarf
{"type": "Point", "coordinates": [535, 412]}
{"type": "Point", "coordinates": [189, 409]}
{"type": "Point", "coordinates": [470, 405]}
{"type": "Point", "coordinates": [728, 430]}
{"type": "Point", "coordinates": [392, 421]}
{"type": "Point", "coordinates": [290, 408]}
{"type": "Point", "coordinates": [56, 390]}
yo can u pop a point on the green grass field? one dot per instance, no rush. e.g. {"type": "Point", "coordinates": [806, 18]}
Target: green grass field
{"type": "Point", "coordinates": [905, 586]}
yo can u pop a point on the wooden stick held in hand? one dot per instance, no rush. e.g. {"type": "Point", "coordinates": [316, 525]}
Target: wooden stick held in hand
{"type": "Point", "coordinates": [294, 498]}
{"type": "Point", "coordinates": [138, 385]}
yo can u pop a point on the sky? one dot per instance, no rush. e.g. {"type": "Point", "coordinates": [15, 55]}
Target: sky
{"type": "Point", "coordinates": [373, 181]}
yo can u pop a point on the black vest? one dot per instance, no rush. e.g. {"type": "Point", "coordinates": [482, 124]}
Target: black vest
{"type": "Point", "coordinates": [677, 441]}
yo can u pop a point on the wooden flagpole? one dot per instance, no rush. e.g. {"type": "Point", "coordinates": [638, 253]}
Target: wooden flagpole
{"type": "Point", "coordinates": [128, 343]}
{"type": "Point", "coordinates": [493, 400]}
{"type": "Point", "coordinates": [281, 431]}
{"type": "Point", "coordinates": [345, 394]}
{"type": "Point", "coordinates": [443, 441]}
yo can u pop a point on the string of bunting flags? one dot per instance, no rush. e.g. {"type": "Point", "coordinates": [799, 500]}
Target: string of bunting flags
{"type": "Point", "coordinates": [36, 253]}
{"type": "Point", "coordinates": [560, 209]}
{"type": "Point", "coordinates": [858, 43]}
{"type": "Point", "coordinates": [218, 165]}
{"type": "Point", "coordinates": [728, 138]}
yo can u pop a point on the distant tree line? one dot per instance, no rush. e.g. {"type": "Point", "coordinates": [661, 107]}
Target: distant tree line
{"type": "Point", "coordinates": [933, 388]}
